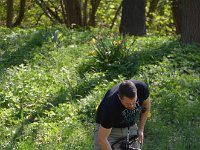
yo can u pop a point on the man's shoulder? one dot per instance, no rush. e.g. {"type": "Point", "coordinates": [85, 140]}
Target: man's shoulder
{"type": "Point", "coordinates": [113, 90]}
{"type": "Point", "coordinates": [137, 81]}
{"type": "Point", "coordinates": [142, 89]}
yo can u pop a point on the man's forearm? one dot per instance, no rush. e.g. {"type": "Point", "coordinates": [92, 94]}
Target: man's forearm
{"type": "Point", "coordinates": [143, 119]}
{"type": "Point", "coordinates": [103, 138]}
{"type": "Point", "coordinates": [144, 114]}
{"type": "Point", "coordinates": [104, 144]}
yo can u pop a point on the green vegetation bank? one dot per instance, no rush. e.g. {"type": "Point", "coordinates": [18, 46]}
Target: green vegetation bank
{"type": "Point", "coordinates": [52, 79]}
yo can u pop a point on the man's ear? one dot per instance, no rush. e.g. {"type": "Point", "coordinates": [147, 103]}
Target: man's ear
{"type": "Point", "coordinates": [120, 98]}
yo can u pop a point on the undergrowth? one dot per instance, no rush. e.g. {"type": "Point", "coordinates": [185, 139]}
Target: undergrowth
{"type": "Point", "coordinates": [52, 79]}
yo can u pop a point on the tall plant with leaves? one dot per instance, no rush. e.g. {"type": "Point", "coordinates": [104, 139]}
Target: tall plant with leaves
{"type": "Point", "coordinates": [111, 53]}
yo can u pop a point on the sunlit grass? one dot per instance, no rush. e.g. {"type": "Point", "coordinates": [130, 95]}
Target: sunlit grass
{"type": "Point", "coordinates": [51, 81]}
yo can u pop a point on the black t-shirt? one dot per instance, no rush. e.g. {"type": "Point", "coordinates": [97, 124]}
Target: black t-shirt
{"type": "Point", "coordinates": [111, 113]}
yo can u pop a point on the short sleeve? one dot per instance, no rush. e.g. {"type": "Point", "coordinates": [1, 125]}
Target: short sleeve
{"type": "Point", "coordinates": [142, 91]}
{"type": "Point", "coordinates": [106, 118]}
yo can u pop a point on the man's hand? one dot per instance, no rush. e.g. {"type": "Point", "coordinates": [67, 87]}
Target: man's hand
{"type": "Point", "coordinates": [141, 137]}
{"type": "Point", "coordinates": [143, 118]}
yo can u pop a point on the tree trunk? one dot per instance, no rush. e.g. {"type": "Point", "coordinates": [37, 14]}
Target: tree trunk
{"type": "Point", "coordinates": [95, 5]}
{"type": "Point", "coordinates": [21, 13]}
{"type": "Point", "coordinates": [9, 16]}
{"type": "Point", "coordinates": [73, 11]}
{"type": "Point", "coordinates": [190, 26]}
{"type": "Point", "coordinates": [133, 17]}
{"type": "Point", "coordinates": [85, 15]}
{"type": "Point", "coordinates": [116, 14]}
{"type": "Point", "coordinates": [64, 15]}
{"type": "Point", "coordinates": [53, 13]}
{"type": "Point", "coordinates": [176, 10]}
{"type": "Point", "coordinates": [41, 5]}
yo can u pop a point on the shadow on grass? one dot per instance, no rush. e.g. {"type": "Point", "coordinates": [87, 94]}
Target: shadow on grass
{"type": "Point", "coordinates": [63, 96]}
{"type": "Point", "coordinates": [25, 52]}
{"type": "Point", "coordinates": [130, 67]}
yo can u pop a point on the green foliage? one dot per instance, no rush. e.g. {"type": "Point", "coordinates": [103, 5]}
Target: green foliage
{"type": "Point", "coordinates": [52, 79]}
{"type": "Point", "coordinates": [162, 21]}
{"type": "Point", "coordinates": [106, 13]}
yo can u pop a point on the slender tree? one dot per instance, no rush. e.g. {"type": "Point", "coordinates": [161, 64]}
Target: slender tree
{"type": "Point", "coordinates": [48, 11]}
{"type": "Point", "coordinates": [85, 13]}
{"type": "Point", "coordinates": [10, 13]}
{"type": "Point", "coordinates": [152, 9]}
{"type": "Point", "coordinates": [9, 16]}
{"type": "Point", "coordinates": [95, 5]}
{"type": "Point", "coordinates": [115, 17]}
{"type": "Point", "coordinates": [73, 12]}
{"type": "Point", "coordinates": [176, 10]}
{"type": "Point", "coordinates": [21, 13]}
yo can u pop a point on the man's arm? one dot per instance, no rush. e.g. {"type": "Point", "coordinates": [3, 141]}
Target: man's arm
{"type": "Point", "coordinates": [143, 118]}
{"type": "Point", "coordinates": [103, 138]}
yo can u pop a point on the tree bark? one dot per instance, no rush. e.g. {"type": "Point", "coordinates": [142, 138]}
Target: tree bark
{"type": "Point", "coordinates": [85, 15]}
{"type": "Point", "coordinates": [95, 5]}
{"type": "Point", "coordinates": [9, 16]}
{"type": "Point", "coordinates": [64, 15]}
{"type": "Point", "coordinates": [190, 26]}
{"type": "Point", "coordinates": [73, 11]}
{"type": "Point", "coordinates": [41, 5]}
{"type": "Point", "coordinates": [133, 17]}
{"type": "Point", "coordinates": [21, 13]}
{"type": "Point", "coordinates": [51, 12]}
{"type": "Point", "coordinates": [176, 10]}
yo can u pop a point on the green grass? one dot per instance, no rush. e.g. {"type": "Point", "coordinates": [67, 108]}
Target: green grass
{"type": "Point", "coordinates": [52, 79]}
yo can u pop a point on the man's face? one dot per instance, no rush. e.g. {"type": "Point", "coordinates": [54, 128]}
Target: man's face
{"type": "Point", "coordinates": [128, 103]}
